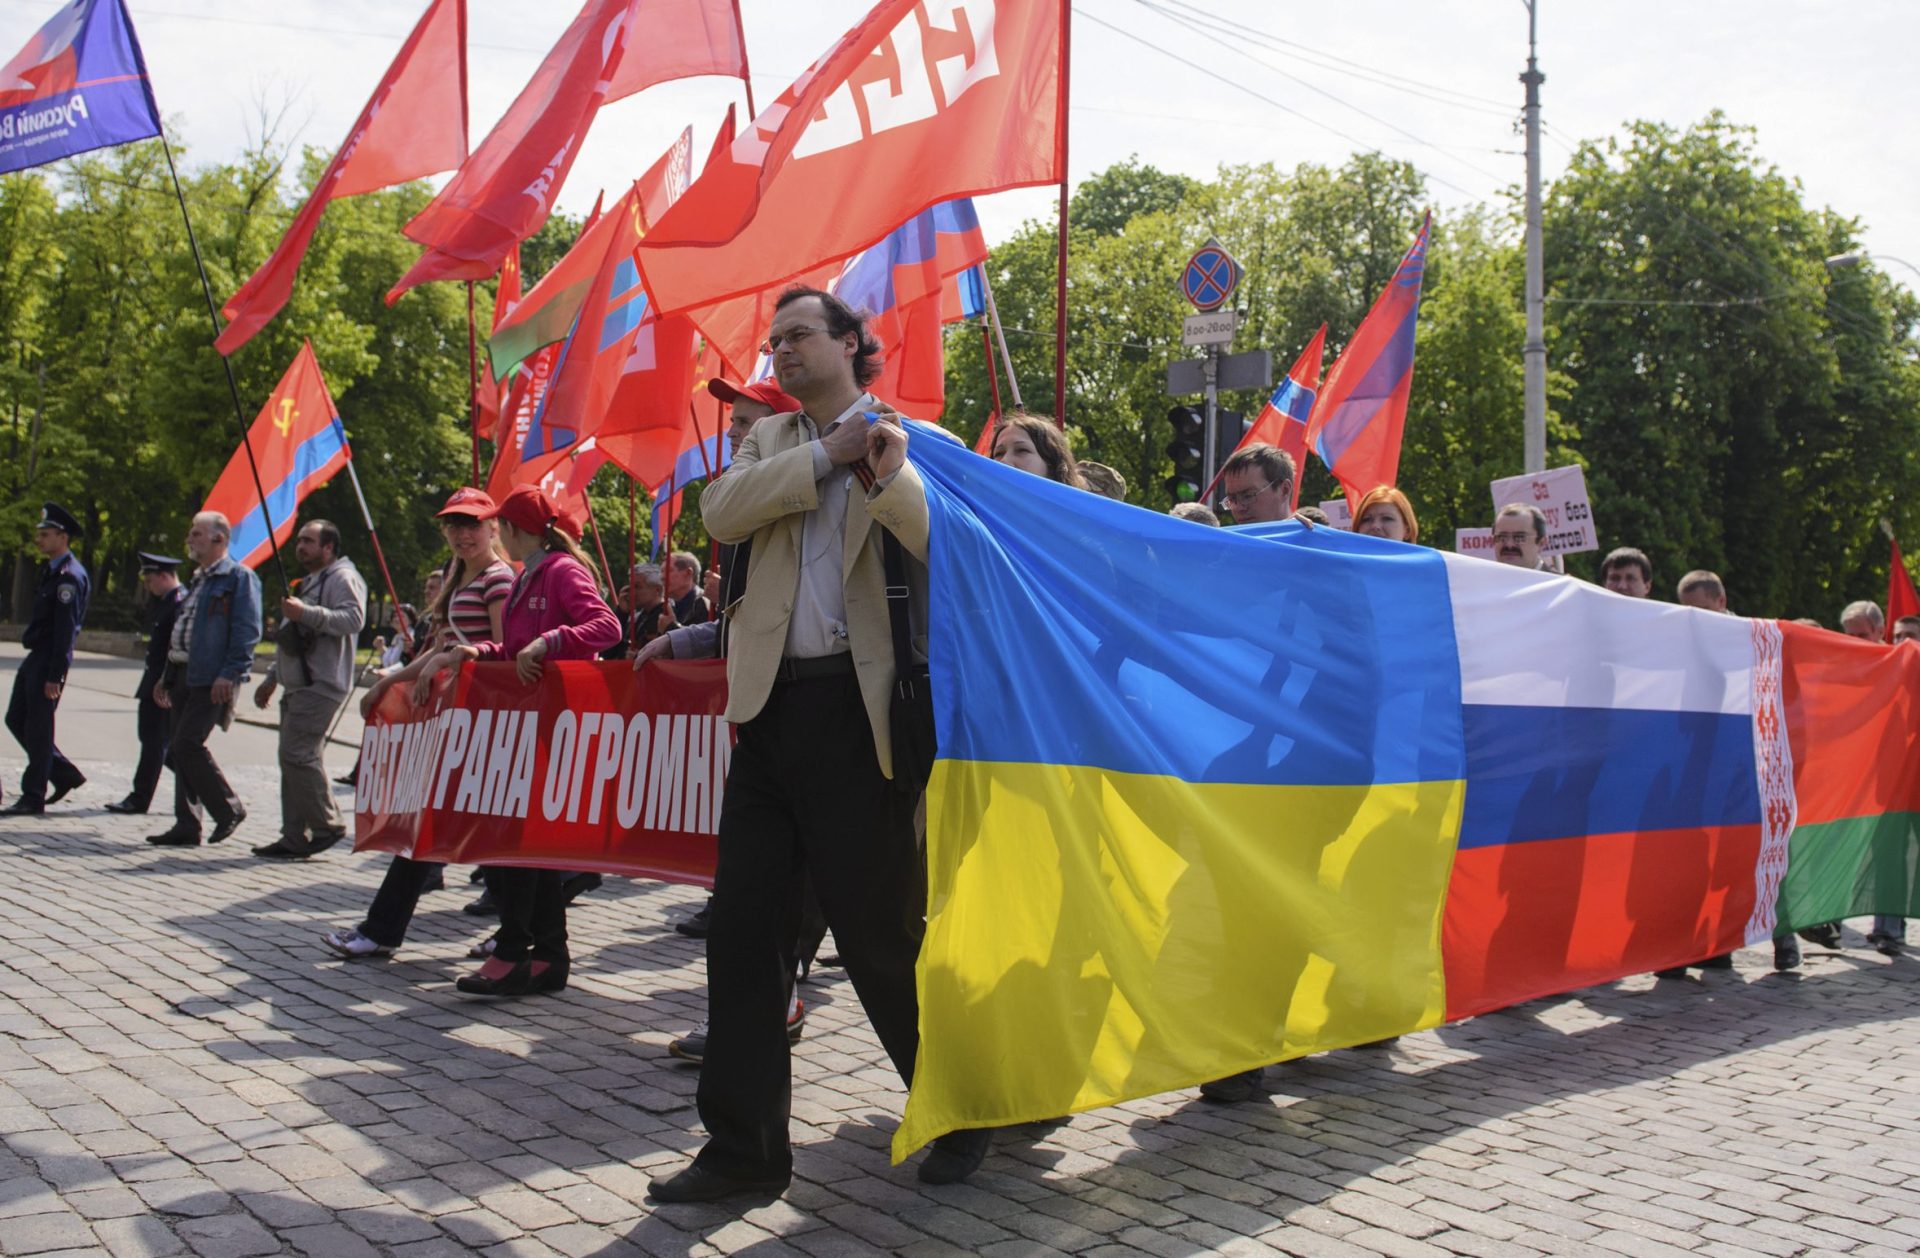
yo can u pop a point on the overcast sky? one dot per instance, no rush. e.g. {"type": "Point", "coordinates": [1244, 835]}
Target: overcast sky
{"type": "Point", "coordinates": [1831, 87]}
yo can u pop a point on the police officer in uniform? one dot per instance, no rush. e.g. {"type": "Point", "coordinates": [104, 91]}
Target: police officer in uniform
{"type": "Point", "coordinates": [59, 609]}
{"type": "Point", "coordinates": [159, 574]}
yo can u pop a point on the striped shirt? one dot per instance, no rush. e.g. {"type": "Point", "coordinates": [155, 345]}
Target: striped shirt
{"type": "Point", "coordinates": [467, 610]}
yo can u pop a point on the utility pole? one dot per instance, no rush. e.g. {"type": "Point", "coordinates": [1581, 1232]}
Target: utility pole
{"type": "Point", "coordinates": [1534, 354]}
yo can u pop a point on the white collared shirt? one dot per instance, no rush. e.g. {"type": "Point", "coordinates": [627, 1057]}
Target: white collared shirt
{"type": "Point", "coordinates": [818, 625]}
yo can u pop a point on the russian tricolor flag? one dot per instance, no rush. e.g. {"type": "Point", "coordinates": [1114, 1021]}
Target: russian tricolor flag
{"type": "Point", "coordinates": [298, 443]}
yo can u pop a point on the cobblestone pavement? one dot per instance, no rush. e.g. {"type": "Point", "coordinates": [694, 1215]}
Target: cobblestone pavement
{"type": "Point", "coordinates": [184, 1069]}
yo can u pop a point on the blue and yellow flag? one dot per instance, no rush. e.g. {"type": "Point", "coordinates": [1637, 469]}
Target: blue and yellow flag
{"type": "Point", "coordinates": [1196, 804]}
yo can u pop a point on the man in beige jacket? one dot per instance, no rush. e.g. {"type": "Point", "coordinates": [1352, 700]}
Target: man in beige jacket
{"type": "Point", "coordinates": [810, 674]}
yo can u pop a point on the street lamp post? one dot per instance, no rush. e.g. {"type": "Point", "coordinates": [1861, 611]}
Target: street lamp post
{"type": "Point", "coordinates": [1840, 261]}
{"type": "Point", "coordinates": [1534, 353]}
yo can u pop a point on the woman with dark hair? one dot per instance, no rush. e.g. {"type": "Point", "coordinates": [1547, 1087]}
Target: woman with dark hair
{"type": "Point", "coordinates": [469, 608]}
{"type": "Point", "coordinates": [553, 612]}
{"type": "Point", "coordinates": [1034, 443]}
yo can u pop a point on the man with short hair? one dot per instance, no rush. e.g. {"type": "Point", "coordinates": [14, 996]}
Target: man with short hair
{"type": "Point", "coordinates": [1259, 484]}
{"type": "Point", "coordinates": [59, 609]}
{"type": "Point", "coordinates": [689, 605]}
{"type": "Point", "coordinates": [315, 664]}
{"type": "Point", "coordinates": [649, 588]}
{"type": "Point", "coordinates": [1198, 512]}
{"type": "Point", "coordinates": [209, 658]}
{"type": "Point", "coordinates": [1519, 530]}
{"type": "Point", "coordinates": [159, 573]}
{"type": "Point", "coordinates": [1906, 629]}
{"type": "Point", "coordinates": [1627, 571]}
{"type": "Point", "coordinates": [1863, 619]}
{"type": "Point", "coordinates": [824, 495]}
{"type": "Point", "coordinates": [1702, 589]}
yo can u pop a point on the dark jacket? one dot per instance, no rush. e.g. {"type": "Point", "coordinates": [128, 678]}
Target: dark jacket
{"type": "Point", "coordinates": [165, 610]}
{"type": "Point", "coordinates": [226, 625]}
{"type": "Point", "coordinates": [59, 609]}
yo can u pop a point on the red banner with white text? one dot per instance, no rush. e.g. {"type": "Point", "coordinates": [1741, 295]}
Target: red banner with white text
{"type": "Point", "coordinates": [593, 767]}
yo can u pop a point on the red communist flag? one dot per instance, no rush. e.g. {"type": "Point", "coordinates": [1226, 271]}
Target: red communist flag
{"type": "Point", "coordinates": [922, 101]}
{"type": "Point", "coordinates": [488, 394]}
{"type": "Point", "coordinates": [295, 446]}
{"type": "Point", "coordinates": [1902, 599]}
{"type": "Point", "coordinates": [414, 125]}
{"type": "Point", "coordinates": [504, 192]}
{"type": "Point", "coordinates": [678, 40]}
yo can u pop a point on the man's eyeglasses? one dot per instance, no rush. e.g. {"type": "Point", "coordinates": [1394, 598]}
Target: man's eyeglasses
{"type": "Point", "coordinates": [1246, 496]}
{"type": "Point", "coordinates": [1512, 539]}
{"type": "Point", "coordinates": [794, 337]}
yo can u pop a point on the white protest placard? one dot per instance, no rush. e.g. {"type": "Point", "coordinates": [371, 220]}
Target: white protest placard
{"type": "Point", "coordinates": [1339, 514]}
{"type": "Point", "coordinates": [1561, 495]}
{"type": "Point", "coordinates": [1475, 542]}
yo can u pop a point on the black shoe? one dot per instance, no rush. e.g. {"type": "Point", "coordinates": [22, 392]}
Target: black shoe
{"type": "Point", "coordinates": [956, 1155]}
{"type": "Point", "coordinates": [519, 981]}
{"type": "Point", "coordinates": [1678, 971]}
{"type": "Point", "coordinates": [695, 927]}
{"type": "Point", "coordinates": [1826, 935]}
{"type": "Point", "coordinates": [1886, 945]}
{"type": "Point", "coordinates": [22, 808]}
{"type": "Point", "coordinates": [578, 885]}
{"type": "Point", "coordinates": [1722, 962]}
{"type": "Point", "coordinates": [176, 838]}
{"type": "Point", "coordinates": [324, 839]}
{"type": "Point", "coordinates": [63, 789]}
{"type": "Point", "coordinates": [280, 852]}
{"type": "Point", "coordinates": [693, 1045]}
{"type": "Point", "coordinates": [223, 831]}
{"type": "Point", "coordinates": [436, 881]}
{"type": "Point", "coordinates": [485, 906]}
{"type": "Point", "coordinates": [1786, 954]}
{"type": "Point", "coordinates": [1233, 1088]}
{"type": "Point", "coordinates": [351, 778]}
{"type": "Point", "coordinates": [697, 1183]}
{"type": "Point", "coordinates": [127, 805]}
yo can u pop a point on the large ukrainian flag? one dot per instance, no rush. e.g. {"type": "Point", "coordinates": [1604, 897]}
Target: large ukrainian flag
{"type": "Point", "coordinates": [1197, 799]}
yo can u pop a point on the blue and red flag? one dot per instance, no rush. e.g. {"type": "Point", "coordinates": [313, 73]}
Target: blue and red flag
{"type": "Point", "coordinates": [298, 444]}
{"type": "Point", "coordinates": [1282, 421]}
{"type": "Point", "coordinates": [1362, 410]}
{"type": "Point", "coordinates": [79, 84]}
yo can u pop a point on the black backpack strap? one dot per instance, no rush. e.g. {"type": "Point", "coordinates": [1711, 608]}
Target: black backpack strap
{"type": "Point", "coordinates": [899, 608]}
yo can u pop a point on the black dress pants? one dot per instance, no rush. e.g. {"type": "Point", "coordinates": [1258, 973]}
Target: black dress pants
{"type": "Point", "coordinates": [152, 723]}
{"type": "Point", "coordinates": [805, 798]}
{"type": "Point", "coordinates": [197, 779]}
{"type": "Point", "coordinates": [533, 913]}
{"type": "Point", "coordinates": [392, 909]}
{"type": "Point", "coordinates": [30, 720]}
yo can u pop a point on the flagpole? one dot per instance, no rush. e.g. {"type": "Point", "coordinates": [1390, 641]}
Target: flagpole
{"type": "Point", "coordinates": [473, 385]}
{"type": "Point", "coordinates": [1060, 292]}
{"type": "Point", "coordinates": [700, 438]}
{"type": "Point", "coordinates": [993, 313]}
{"type": "Point", "coordinates": [374, 533]}
{"type": "Point", "coordinates": [633, 541]}
{"type": "Point", "coordinates": [599, 546]}
{"type": "Point", "coordinates": [233, 383]}
{"type": "Point", "coordinates": [746, 71]}
{"type": "Point", "coordinates": [993, 373]}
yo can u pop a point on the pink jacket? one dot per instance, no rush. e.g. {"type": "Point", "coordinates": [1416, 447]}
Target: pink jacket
{"type": "Point", "coordinates": [556, 600]}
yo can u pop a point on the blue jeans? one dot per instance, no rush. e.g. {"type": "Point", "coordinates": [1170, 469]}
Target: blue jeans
{"type": "Point", "coordinates": [1893, 927]}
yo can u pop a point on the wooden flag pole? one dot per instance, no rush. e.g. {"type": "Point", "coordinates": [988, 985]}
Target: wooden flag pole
{"type": "Point", "coordinates": [1000, 333]}
{"type": "Point", "coordinates": [374, 533]}
{"type": "Point", "coordinates": [233, 383]}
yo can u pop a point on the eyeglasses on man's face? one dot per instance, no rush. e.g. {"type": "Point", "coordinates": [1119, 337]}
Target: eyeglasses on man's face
{"type": "Point", "coordinates": [1513, 539]}
{"type": "Point", "coordinates": [1245, 497]}
{"type": "Point", "coordinates": [797, 335]}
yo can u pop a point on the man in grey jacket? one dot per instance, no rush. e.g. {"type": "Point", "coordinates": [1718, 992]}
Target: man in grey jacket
{"type": "Point", "coordinates": [314, 664]}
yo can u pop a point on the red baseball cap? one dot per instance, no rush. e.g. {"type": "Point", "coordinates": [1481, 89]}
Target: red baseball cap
{"type": "Point", "coordinates": [765, 392]}
{"type": "Point", "coordinates": [467, 500]}
{"type": "Point", "coordinates": [527, 508]}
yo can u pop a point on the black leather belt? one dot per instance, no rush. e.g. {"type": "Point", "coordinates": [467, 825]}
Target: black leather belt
{"type": "Point", "coordinates": [792, 669]}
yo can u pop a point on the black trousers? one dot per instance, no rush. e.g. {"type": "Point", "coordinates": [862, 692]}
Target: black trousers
{"type": "Point", "coordinates": [30, 721]}
{"type": "Point", "coordinates": [533, 913]}
{"type": "Point", "coordinates": [197, 779]}
{"type": "Point", "coordinates": [805, 798]}
{"type": "Point", "coordinates": [151, 723]}
{"type": "Point", "coordinates": [392, 909]}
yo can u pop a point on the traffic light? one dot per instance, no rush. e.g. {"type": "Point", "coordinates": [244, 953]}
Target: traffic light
{"type": "Point", "coordinates": [1228, 428]}
{"type": "Point", "coordinates": [1188, 451]}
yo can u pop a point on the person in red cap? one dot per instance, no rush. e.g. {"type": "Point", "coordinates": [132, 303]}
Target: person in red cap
{"type": "Point", "coordinates": [470, 607]}
{"type": "Point", "coordinates": [553, 612]}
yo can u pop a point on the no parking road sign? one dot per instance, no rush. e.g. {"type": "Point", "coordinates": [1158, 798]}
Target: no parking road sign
{"type": "Point", "coordinates": [1210, 277]}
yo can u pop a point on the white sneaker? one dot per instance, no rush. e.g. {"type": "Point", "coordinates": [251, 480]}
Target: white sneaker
{"type": "Point", "coordinates": [351, 944]}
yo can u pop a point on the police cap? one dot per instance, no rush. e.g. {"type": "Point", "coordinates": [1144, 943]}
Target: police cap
{"type": "Point", "coordinates": [55, 516]}
{"type": "Point", "coordinates": [151, 563]}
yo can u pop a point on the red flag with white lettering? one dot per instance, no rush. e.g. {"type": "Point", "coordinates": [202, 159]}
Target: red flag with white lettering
{"type": "Point", "coordinates": [414, 125]}
{"type": "Point", "coordinates": [923, 101]}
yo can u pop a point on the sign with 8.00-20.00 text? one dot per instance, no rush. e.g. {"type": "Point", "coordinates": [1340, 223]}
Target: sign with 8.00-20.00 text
{"type": "Point", "coordinates": [1561, 495]}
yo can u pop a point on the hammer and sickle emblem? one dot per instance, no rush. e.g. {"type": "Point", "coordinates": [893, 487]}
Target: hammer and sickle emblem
{"type": "Point", "coordinates": [284, 420]}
